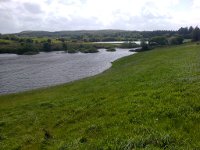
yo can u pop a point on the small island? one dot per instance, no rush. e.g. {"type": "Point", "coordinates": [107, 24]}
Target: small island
{"type": "Point", "coordinates": [111, 50]}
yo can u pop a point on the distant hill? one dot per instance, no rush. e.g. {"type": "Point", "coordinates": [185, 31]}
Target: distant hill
{"type": "Point", "coordinates": [95, 35]}
{"type": "Point", "coordinates": [73, 33]}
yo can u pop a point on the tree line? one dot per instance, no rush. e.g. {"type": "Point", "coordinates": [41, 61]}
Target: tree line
{"type": "Point", "coordinates": [190, 33]}
{"type": "Point", "coordinates": [82, 40]}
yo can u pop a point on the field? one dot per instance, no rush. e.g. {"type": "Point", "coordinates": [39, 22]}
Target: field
{"type": "Point", "coordinates": [149, 100]}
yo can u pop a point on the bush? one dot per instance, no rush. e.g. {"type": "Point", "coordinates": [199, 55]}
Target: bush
{"type": "Point", "coordinates": [84, 48]}
{"type": "Point", "coordinates": [90, 50]}
{"type": "Point", "coordinates": [111, 49]}
{"type": "Point", "coordinates": [160, 40]}
{"type": "Point", "coordinates": [71, 51]}
{"type": "Point", "coordinates": [196, 34]}
{"type": "Point", "coordinates": [175, 40]}
{"type": "Point", "coordinates": [47, 47]}
{"type": "Point", "coordinates": [144, 46]}
{"type": "Point", "coordinates": [129, 45]}
{"type": "Point", "coordinates": [27, 48]}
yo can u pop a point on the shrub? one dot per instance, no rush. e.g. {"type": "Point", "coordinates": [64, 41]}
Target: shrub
{"type": "Point", "coordinates": [175, 40]}
{"type": "Point", "coordinates": [160, 40]}
{"type": "Point", "coordinates": [111, 49]}
{"type": "Point", "coordinates": [129, 45]}
{"type": "Point", "coordinates": [144, 46]}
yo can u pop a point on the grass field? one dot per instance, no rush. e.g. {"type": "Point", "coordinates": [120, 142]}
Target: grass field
{"type": "Point", "coordinates": [150, 100]}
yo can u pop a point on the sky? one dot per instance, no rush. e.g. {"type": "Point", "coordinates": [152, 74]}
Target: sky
{"type": "Point", "coordinates": [57, 15]}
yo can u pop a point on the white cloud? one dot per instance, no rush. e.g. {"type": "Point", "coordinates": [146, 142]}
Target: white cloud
{"type": "Point", "coordinates": [18, 15]}
{"type": "Point", "coordinates": [196, 4]}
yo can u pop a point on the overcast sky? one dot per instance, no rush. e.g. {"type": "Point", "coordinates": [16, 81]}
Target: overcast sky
{"type": "Point", "coordinates": [55, 15]}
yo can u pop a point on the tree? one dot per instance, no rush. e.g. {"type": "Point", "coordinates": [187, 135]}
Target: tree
{"type": "Point", "coordinates": [129, 45]}
{"type": "Point", "coordinates": [64, 46]}
{"type": "Point", "coordinates": [49, 41]}
{"type": "Point", "coordinates": [176, 40]}
{"type": "Point", "coordinates": [61, 39]}
{"type": "Point", "coordinates": [27, 48]}
{"type": "Point", "coordinates": [144, 45]}
{"type": "Point", "coordinates": [6, 37]}
{"type": "Point", "coordinates": [29, 41]}
{"type": "Point", "coordinates": [47, 45]}
{"type": "Point", "coordinates": [191, 30]}
{"type": "Point", "coordinates": [183, 31]}
{"type": "Point", "coordinates": [21, 40]}
{"type": "Point", "coordinates": [196, 34]}
{"type": "Point", "coordinates": [160, 40]}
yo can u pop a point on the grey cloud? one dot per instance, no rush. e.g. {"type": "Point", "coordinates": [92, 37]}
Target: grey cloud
{"type": "Point", "coordinates": [150, 11]}
{"type": "Point", "coordinates": [142, 23]}
{"type": "Point", "coordinates": [19, 16]}
{"type": "Point", "coordinates": [5, 1]}
{"type": "Point", "coordinates": [71, 2]}
{"type": "Point", "coordinates": [14, 18]}
{"type": "Point", "coordinates": [7, 21]}
{"type": "Point", "coordinates": [55, 23]}
{"type": "Point", "coordinates": [32, 8]}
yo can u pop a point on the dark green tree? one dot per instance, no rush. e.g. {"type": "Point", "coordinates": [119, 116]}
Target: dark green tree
{"type": "Point", "coordinates": [129, 45]}
{"type": "Point", "coordinates": [28, 48]}
{"type": "Point", "coordinates": [160, 40]}
{"type": "Point", "coordinates": [29, 41]}
{"type": "Point", "coordinates": [183, 31]}
{"type": "Point", "coordinates": [13, 38]}
{"type": "Point", "coordinates": [47, 46]}
{"type": "Point", "coordinates": [176, 40]}
{"type": "Point", "coordinates": [144, 45]}
{"type": "Point", "coordinates": [64, 46]}
{"type": "Point", "coordinates": [196, 34]}
{"type": "Point", "coordinates": [191, 30]}
{"type": "Point", "coordinates": [49, 41]}
{"type": "Point", "coordinates": [62, 39]}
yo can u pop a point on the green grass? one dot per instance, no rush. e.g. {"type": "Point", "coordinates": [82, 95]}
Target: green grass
{"type": "Point", "coordinates": [2, 41]}
{"type": "Point", "coordinates": [149, 100]}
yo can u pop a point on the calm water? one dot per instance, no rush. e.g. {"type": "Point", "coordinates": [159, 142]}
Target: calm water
{"type": "Point", "coordinates": [22, 72]}
{"type": "Point", "coordinates": [119, 42]}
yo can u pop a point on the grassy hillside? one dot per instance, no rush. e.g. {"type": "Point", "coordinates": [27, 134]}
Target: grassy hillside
{"type": "Point", "coordinates": [148, 100]}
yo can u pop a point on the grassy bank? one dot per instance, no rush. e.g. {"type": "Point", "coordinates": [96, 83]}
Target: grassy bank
{"type": "Point", "coordinates": [148, 100]}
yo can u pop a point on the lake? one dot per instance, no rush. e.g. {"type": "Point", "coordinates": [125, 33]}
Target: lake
{"type": "Point", "coordinates": [25, 72]}
{"type": "Point", "coordinates": [119, 42]}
